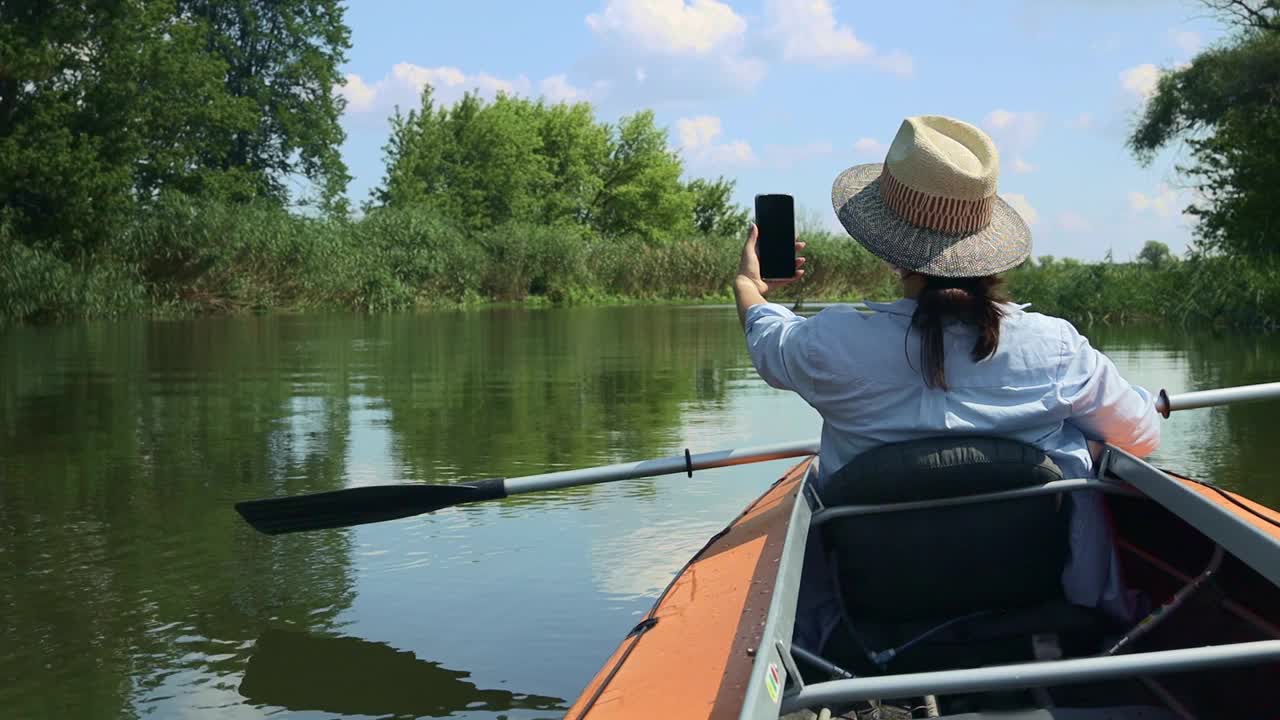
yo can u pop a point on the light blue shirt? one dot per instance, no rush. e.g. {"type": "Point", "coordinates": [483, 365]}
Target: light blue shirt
{"type": "Point", "coordinates": [1044, 385]}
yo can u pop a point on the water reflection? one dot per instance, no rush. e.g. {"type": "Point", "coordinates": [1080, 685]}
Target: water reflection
{"type": "Point", "coordinates": [350, 676]}
{"type": "Point", "coordinates": [129, 586]}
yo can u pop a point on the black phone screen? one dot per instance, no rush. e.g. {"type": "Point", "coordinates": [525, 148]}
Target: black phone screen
{"type": "Point", "coordinates": [776, 218]}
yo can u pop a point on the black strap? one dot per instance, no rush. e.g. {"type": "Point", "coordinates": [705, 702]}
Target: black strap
{"type": "Point", "coordinates": [688, 462]}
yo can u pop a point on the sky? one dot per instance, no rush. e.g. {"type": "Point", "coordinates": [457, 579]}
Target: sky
{"type": "Point", "coordinates": [781, 95]}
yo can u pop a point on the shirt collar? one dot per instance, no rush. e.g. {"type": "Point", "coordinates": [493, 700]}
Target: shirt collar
{"type": "Point", "coordinates": [907, 306]}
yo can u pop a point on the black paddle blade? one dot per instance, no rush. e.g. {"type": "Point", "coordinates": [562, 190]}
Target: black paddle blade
{"type": "Point", "coordinates": [356, 506]}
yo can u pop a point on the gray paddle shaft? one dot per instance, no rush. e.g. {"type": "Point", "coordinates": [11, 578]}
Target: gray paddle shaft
{"type": "Point", "coordinates": [1208, 398]}
{"type": "Point", "coordinates": [761, 453]}
{"type": "Point", "coordinates": [660, 466]}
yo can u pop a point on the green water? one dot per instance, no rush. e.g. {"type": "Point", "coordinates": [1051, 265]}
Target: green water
{"type": "Point", "coordinates": [129, 588]}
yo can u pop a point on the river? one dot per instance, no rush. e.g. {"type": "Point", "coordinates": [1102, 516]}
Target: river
{"type": "Point", "coordinates": [130, 588]}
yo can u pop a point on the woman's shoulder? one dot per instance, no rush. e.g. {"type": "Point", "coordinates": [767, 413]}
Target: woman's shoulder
{"type": "Point", "coordinates": [1049, 327]}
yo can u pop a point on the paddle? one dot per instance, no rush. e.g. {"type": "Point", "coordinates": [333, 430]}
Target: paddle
{"type": "Point", "coordinates": [356, 506]}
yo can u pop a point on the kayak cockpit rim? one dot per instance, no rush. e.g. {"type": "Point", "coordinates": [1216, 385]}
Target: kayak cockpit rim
{"type": "Point", "coordinates": [1215, 521]}
{"type": "Point", "coordinates": [1118, 473]}
{"type": "Point", "coordinates": [1034, 674]}
{"type": "Point", "coordinates": [774, 659]}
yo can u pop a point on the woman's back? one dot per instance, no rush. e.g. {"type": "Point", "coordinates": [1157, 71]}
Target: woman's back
{"type": "Point", "coordinates": [1044, 384]}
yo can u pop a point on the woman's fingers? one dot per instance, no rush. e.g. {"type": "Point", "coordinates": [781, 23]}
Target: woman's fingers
{"type": "Point", "coordinates": [800, 261]}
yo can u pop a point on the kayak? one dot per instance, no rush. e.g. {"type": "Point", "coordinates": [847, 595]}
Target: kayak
{"type": "Point", "coordinates": [948, 582]}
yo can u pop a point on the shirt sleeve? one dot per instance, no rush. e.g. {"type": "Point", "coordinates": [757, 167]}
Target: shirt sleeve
{"type": "Point", "coordinates": [1102, 403]}
{"type": "Point", "coordinates": [780, 344]}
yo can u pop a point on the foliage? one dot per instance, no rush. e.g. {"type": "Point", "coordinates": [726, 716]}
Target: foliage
{"type": "Point", "coordinates": [188, 255]}
{"type": "Point", "coordinates": [482, 164]}
{"type": "Point", "coordinates": [1223, 105]}
{"type": "Point", "coordinates": [282, 59]}
{"type": "Point", "coordinates": [106, 105]}
{"type": "Point", "coordinates": [713, 210]}
{"type": "Point", "coordinates": [1201, 289]}
{"type": "Point", "coordinates": [1156, 254]}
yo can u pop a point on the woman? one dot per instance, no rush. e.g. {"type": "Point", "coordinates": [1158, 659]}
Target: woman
{"type": "Point", "coordinates": [952, 355]}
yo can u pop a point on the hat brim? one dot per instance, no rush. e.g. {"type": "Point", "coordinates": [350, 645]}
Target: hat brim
{"type": "Point", "coordinates": [1002, 245]}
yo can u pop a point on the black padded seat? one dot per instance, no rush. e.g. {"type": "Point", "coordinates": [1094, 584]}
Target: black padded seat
{"type": "Point", "coordinates": [946, 562]}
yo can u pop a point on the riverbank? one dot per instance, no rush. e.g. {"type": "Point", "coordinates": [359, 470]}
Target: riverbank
{"type": "Point", "coordinates": [187, 258]}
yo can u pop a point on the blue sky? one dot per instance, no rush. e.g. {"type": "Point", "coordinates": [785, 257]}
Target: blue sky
{"type": "Point", "coordinates": [783, 94]}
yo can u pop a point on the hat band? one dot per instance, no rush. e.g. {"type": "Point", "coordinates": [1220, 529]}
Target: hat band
{"type": "Point", "coordinates": [935, 212]}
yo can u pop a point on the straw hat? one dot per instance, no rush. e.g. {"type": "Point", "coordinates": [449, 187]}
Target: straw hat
{"type": "Point", "coordinates": [931, 207]}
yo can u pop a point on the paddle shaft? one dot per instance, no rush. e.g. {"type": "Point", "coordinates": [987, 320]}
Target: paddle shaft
{"type": "Point", "coordinates": [355, 506]}
{"type": "Point", "coordinates": [1165, 404]}
{"type": "Point", "coordinates": [659, 466]}
{"type": "Point", "coordinates": [1209, 398]}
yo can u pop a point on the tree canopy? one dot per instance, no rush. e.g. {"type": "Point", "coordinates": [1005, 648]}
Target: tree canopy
{"type": "Point", "coordinates": [1224, 105]}
{"type": "Point", "coordinates": [482, 164]}
{"type": "Point", "coordinates": [107, 104]}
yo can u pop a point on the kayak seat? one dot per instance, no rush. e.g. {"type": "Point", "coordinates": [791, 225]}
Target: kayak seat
{"type": "Point", "coordinates": [948, 578]}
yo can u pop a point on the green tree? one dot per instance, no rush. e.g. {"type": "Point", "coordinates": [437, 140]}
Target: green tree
{"type": "Point", "coordinates": [282, 56]}
{"type": "Point", "coordinates": [1156, 254]}
{"type": "Point", "coordinates": [108, 103]}
{"type": "Point", "coordinates": [485, 164]}
{"type": "Point", "coordinates": [642, 194]}
{"type": "Point", "coordinates": [714, 212]}
{"type": "Point", "coordinates": [65, 154]}
{"type": "Point", "coordinates": [1223, 106]}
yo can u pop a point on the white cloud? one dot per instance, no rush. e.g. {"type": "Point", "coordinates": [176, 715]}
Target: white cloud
{"type": "Point", "coordinates": [652, 51]}
{"type": "Point", "coordinates": [558, 89]}
{"type": "Point", "coordinates": [1000, 118]}
{"type": "Point", "coordinates": [699, 143]}
{"type": "Point", "coordinates": [1019, 203]}
{"type": "Point", "coordinates": [696, 132]}
{"type": "Point", "coordinates": [445, 79]}
{"type": "Point", "coordinates": [670, 26]}
{"type": "Point", "coordinates": [1014, 130]}
{"type": "Point", "coordinates": [1021, 166]}
{"type": "Point", "coordinates": [403, 87]}
{"type": "Point", "coordinates": [1073, 222]}
{"type": "Point", "coordinates": [359, 94]}
{"type": "Point", "coordinates": [1083, 121]}
{"type": "Point", "coordinates": [1187, 41]}
{"type": "Point", "coordinates": [807, 32]}
{"type": "Point", "coordinates": [870, 146]}
{"type": "Point", "coordinates": [1140, 80]}
{"type": "Point", "coordinates": [1163, 202]}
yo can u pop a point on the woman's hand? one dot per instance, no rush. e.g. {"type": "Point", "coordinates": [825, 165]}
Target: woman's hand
{"type": "Point", "coordinates": [749, 265]}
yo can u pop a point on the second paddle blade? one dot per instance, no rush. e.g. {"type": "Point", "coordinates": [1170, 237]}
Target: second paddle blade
{"type": "Point", "coordinates": [356, 506]}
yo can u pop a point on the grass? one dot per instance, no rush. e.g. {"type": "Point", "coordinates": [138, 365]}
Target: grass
{"type": "Point", "coordinates": [183, 258]}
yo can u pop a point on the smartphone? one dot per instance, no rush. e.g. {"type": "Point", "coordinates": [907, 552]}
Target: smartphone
{"type": "Point", "coordinates": [776, 245]}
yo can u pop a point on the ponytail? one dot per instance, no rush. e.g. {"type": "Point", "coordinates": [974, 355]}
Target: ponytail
{"type": "Point", "coordinates": [972, 301]}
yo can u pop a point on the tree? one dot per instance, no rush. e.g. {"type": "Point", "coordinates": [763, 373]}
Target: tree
{"type": "Point", "coordinates": [714, 212]}
{"type": "Point", "coordinates": [108, 104]}
{"type": "Point", "coordinates": [1156, 254]}
{"type": "Point", "coordinates": [65, 154]}
{"type": "Point", "coordinates": [282, 57]}
{"type": "Point", "coordinates": [642, 194]}
{"type": "Point", "coordinates": [482, 164]}
{"type": "Point", "coordinates": [1223, 106]}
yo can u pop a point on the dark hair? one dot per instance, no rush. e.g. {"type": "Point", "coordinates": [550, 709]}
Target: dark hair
{"type": "Point", "coordinates": [973, 301]}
